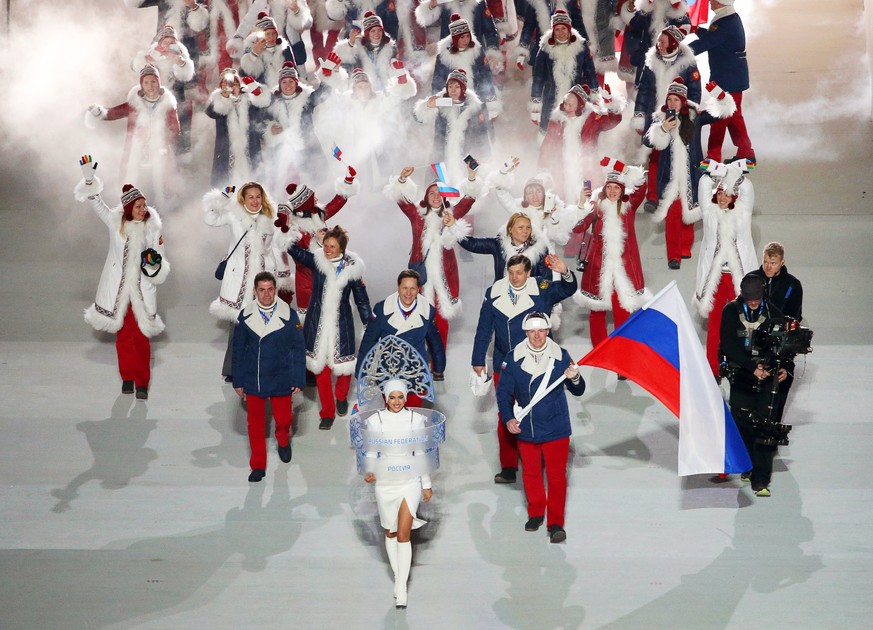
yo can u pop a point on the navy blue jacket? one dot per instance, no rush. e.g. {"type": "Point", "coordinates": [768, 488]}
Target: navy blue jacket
{"type": "Point", "coordinates": [550, 418]}
{"type": "Point", "coordinates": [725, 41]}
{"type": "Point", "coordinates": [543, 82]}
{"type": "Point", "coordinates": [638, 37]}
{"type": "Point", "coordinates": [500, 319]}
{"type": "Point", "coordinates": [493, 247]}
{"type": "Point", "coordinates": [269, 359]}
{"type": "Point", "coordinates": [695, 156]}
{"type": "Point", "coordinates": [335, 293]}
{"type": "Point", "coordinates": [683, 65]}
{"type": "Point", "coordinates": [531, 33]}
{"type": "Point", "coordinates": [418, 330]}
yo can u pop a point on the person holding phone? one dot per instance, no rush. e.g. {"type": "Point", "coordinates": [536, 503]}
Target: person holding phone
{"type": "Point", "coordinates": [667, 59]}
{"type": "Point", "coordinates": [233, 107]}
{"type": "Point", "coordinates": [266, 52]}
{"type": "Point", "coordinates": [613, 276]}
{"type": "Point", "coordinates": [570, 147]}
{"type": "Point", "coordinates": [432, 255]}
{"type": "Point", "coordinates": [677, 137]}
{"type": "Point", "coordinates": [461, 49]}
{"type": "Point", "coordinates": [460, 122]}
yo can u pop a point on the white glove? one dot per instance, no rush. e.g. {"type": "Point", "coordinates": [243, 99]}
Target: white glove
{"type": "Point", "coordinates": [89, 168]}
{"type": "Point", "coordinates": [95, 111]}
{"type": "Point", "coordinates": [480, 385]}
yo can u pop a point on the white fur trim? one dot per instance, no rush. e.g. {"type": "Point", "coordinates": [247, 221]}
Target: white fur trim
{"type": "Point", "coordinates": [325, 351]}
{"type": "Point", "coordinates": [666, 72]}
{"type": "Point", "coordinates": [83, 190]}
{"type": "Point", "coordinates": [398, 191]}
{"type": "Point", "coordinates": [679, 186]}
{"type": "Point", "coordinates": [565, 58]}
{"type": "Point", "coordinates": [476, 189]}
{"type": "Point", "coordinates": [422, 113]}
{"type": "Point", "coordinates": [724, 108]}
{"type": "Point", "coordinates": [436, 288]}
{"type": "Point", "coordinates": [343, 189]}
{"type": "Point", "coordinates": [425, 16]}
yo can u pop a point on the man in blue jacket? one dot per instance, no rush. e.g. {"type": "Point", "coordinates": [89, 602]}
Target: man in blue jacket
{"type": "Point", "coordinates": [269, 360]}
{"type": "Point", "coordinates": [725, 42]}
{"type": "Point", "coordinates": [409, 315]}
{"type": "Point", "coordinates": [540, 420]}
{"type": "Point", "coordinates": [505, 305]}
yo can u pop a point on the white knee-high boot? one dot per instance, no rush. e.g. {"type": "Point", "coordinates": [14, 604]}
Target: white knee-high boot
{"type": "Point", "coordinates": [391, 549]}
{"type": "Point", "coordinates": [404, 562]}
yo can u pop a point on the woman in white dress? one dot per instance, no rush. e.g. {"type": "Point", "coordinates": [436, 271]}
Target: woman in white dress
{"type": "Point", "coordinates": [397, 499]}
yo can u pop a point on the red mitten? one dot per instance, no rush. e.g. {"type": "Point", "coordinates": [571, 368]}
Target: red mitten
{"type": "Point", "coordinates": [612, 164]}
{"type": "Point", "coordinates": [715, 90]}
{"type": "Point", "coordinates": [351, 175]}
{"type": "Point", "coordinates": [250, 86]}
{"type": "Point", "coordinates": [400, 68]}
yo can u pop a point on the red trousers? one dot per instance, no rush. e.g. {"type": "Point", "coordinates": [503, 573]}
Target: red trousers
{"type": "Point", "coordinates": [679, 236]}
{"type": "Point", "coordinates": [324, 383]}
{"type": "Point", "coordinates": [724, 293]}
{"type": "Point", "coordinates": [554, 456]}
{"type": "Point", "coordinates": [736, 125]}
{"type": "Point", "coordinates": [282, 414]}
{"type": "Point", "coordinates": [134, 352]}
{"type": "Point", "coordinates": [507, 442]}
{"type": "Point", "coordinates": [597, 321]}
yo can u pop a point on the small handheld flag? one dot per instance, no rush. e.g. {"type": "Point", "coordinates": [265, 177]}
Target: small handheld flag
{"type": "Point", "coordinates": [337, 153]}
{"type": "Point", "coordinates": [446, 191]}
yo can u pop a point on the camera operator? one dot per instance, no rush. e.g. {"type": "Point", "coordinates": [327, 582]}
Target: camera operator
{"type": "Point", "coordinates": [781, 289]}
{"type": "Point", "coordinates": [756, 399]}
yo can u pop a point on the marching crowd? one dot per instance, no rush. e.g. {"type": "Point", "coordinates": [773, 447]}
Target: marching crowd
{"type": "Point", "coordinates": [290, 287]}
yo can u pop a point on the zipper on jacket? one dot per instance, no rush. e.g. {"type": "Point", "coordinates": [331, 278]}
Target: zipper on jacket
{"type": "Point", "coordinates": [259, 365]}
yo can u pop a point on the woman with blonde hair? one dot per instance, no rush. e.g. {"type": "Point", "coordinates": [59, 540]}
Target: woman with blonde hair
{"type": "Point", "coordinates": [518, 236]}
{"type": "Point", "coordinates": [249, 213]}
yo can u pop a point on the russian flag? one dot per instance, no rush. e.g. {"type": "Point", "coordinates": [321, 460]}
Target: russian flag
{"type": "Point", "coordinates": [446, 191]}
{"type": "Point", "coordinates": [337, 153]}
{"type": "Point", "coordinates": [657, 348]}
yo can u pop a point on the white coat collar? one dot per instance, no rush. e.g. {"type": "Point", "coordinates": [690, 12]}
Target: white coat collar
{"type": "Point", "coordinates": [395, 317]}
{"type": "Point", "coordinates": [523, 354]}
{"type": "Point", "coordinates": [261, 328]}
{"type": "Point", "coordinates": [524, 301]}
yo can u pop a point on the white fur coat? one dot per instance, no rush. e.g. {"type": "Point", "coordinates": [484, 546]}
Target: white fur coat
{"type": "Point", "coordinates": [122, 282]}
{"type": "Point", "coordinates": [250, 258]}
{"type": "Point", "coordinates": [727, 242]}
